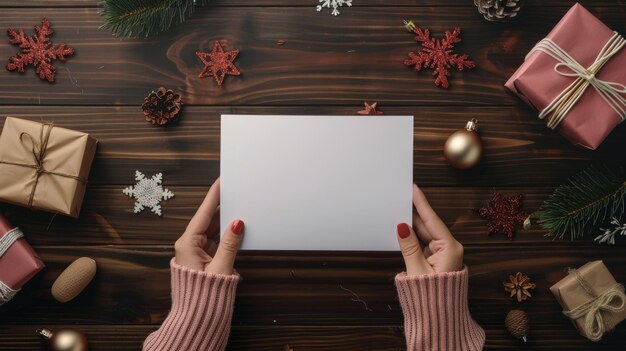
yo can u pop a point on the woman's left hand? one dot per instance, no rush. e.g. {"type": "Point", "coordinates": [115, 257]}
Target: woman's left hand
{"type": "Point", "coordinates": [195, 249]}
{"type": "Point", "coordinates": [434, 249]}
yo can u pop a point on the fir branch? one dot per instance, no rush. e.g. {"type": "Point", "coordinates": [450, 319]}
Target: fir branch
{"type": "Point", "coordinates": [590, 198]}
{"type": "Point", "coordinates": [142, 18]}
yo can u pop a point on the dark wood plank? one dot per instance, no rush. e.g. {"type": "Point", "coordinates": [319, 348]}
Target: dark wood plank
{"type": "Point", "coordinates": [108, 218]}
{"type": "Point", "coordinates": [519, 149]}
{"type": "Point", "coordinates": [311, 4]}
{"type": "Point", "coordinates": [295, 289]}
{"type": "Point", "coordinates": [301, 338]}
{"type": "Point", "coordinates": [324, 62]}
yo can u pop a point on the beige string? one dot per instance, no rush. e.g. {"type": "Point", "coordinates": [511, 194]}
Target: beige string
{"type": "Point", "coordinates": [6, 241]}
{"type": "Point", "coordinates": [39, 155]}
{"type": "Point", "coordinates": [611, 92]}
{"type": "Point", "coordinates": [611, 300]}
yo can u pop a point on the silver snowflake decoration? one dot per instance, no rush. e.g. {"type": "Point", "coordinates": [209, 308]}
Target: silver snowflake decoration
{"type": "Point", "coordinates": [608, 236]}
{"type": "Point", "coordinates": [148, 192]}
{"type": "Point", "coordinates": [334, 4]}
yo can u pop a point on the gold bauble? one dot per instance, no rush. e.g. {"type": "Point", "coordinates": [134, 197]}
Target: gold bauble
{"type": "Point", "coordinates": [64, 339]}
{"type": "Point", "coordinates": [464, 148]}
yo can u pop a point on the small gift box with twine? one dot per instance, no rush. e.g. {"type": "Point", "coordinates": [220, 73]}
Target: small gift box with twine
{"type": "Point", "coordinates": [576, 78]}
{"type": "Point", "coordinates": [592, 298]}
{"type": "Point", "coordinates": [44, 167]}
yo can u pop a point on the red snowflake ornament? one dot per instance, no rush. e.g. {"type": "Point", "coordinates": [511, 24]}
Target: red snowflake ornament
{"type": "Point", "coordinates": [503, 214]}
{"type": "Point", "coordinates": [37, 50]}
{"type": "Point", "coordinates": [218, 63]}
{"type": "Point", "coordinates": [437, 54]}
{"type": "Point", "coordinates": [370, 109]}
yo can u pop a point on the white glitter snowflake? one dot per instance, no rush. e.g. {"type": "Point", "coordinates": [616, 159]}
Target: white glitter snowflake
{"type": "Point", "coordinates": [334, 4]}
{"type": "Point", "coordinates": [148, 192]}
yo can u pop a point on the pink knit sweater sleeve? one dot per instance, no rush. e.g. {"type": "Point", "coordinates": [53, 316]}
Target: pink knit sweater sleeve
{"type": "Point", "coordinates": [202, 308]}
{"type": "Point", "coordinates": [436, 316]}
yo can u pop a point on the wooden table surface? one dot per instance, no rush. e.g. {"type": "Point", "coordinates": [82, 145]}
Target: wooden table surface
{"type": "Point", "coordinates": [328, 65]}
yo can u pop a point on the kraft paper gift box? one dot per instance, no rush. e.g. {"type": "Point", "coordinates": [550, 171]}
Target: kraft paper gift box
{"type": "Point", "coordinates": [43, 166]}
{"type": "Point", "coordinates": [572, 293]}
{"type": "Point", "coordinates": [591, 119]}
{"type": "Point", "coordinates": [18, 261]}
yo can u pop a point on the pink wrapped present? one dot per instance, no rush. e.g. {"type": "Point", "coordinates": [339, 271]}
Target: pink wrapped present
{"type": "Point", "coordinates": [18, 261]}
{"type": "Point", "coordinates": [575, 78]}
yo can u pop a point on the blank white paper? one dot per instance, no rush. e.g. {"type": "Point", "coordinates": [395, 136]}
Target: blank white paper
{"type": "Point", "coordinates": [317, 182]}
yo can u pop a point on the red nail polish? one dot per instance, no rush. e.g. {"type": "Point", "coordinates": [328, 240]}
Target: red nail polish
{"type": "Point", "coordinates": [237, 227]}
{"type": "Point", "coordinates": [403, 230]}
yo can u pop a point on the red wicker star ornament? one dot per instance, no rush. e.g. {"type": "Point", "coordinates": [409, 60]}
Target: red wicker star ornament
{"type": "Point", "coordinates": [503, 213]}
{"type": "Point", "coordinates": [437, 54]}
{"type": "Point", "coordinates": [218, 63]}
{"type": "Point", "coordinates": [37, 50]}
{"type": "Point", "coordinates": [370, 109]}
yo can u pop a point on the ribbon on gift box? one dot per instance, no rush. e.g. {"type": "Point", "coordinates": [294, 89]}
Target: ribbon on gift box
{"type": "Point", "coordinates": [8, 239]}
{"type": "Point", "coordinates": [611, 300]}
{"type": "Point", "coordinates": [611, 92]}
{"type": "Point", "coordinates": [39, 154]}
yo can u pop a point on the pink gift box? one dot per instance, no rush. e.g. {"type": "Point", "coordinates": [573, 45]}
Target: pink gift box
{"type": "Point", "coordinates": [536, 82]}
{"type": "Point", "coordinates": [19, 263]}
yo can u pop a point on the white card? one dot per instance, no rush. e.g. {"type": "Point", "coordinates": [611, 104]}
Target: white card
{"type": "Point", "coordinates": [317, 182]}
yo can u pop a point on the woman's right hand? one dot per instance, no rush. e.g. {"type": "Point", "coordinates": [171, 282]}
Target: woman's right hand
{"type": "Point", "coordinates": [433, 249]}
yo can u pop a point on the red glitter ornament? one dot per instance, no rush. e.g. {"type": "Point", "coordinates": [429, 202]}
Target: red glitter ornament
{"type": "Point", "coordinates": [37, 50]}
{"type": "Point", "coordinates": [370, 109]}
{"type": "Point", "coordinates": [437, 54]}
{"type": "Point", "coordinates": [503, 214]}
{"type": "Point", "coordinates": [219, 63]}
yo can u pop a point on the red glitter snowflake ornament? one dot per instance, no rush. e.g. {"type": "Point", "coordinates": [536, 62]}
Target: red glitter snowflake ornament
{"type": "Point", "coordinates": [437, 54]}
{"type": "Point", "coordinates": [503, 214]}
{"type": "Point", "coordinates": [218, 63]}
{"type": "Point", "coordinates": [370, 109]}
{"type": "Point", "coordinates": [37, 50]}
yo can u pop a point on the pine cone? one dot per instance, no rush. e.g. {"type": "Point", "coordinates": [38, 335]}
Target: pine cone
{"type": "Point", "coordinates": [517, 324]}
{"type": "Point", "coordinates": [162, 106]}
{"type": "Point", "coordinates": [498, 10]}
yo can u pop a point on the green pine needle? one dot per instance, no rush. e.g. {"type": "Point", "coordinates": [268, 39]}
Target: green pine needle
{"type": "Point", "coordinates": [590, 198]}
{"type": "Point", "coordinates": [142, 18]}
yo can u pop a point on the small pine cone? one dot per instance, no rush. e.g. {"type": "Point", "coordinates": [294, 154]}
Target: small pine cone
{"type": "Point", "coordinates": [517, 324]}
{"type": "Point", "coordinates": [498, 10]}
{"type": "Point", "coordinates": [162, 106]}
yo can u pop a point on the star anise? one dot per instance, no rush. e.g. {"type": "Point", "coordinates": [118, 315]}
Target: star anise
{"type": "Point", "coordinates": [519, 286]}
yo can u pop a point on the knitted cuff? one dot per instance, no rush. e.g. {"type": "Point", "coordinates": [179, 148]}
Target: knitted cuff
{"type": "Point", "coordinates": [202, 309]}
{"type": "Point", "coordinates": [436, 315]}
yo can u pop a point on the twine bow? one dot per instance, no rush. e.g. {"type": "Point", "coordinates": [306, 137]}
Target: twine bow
{"type": "Point", "coordinates": [611, 92]}
{"type": "Point", "coordinates": [611, 300]}
{"type": "Point", "coordinates": [39, 155]}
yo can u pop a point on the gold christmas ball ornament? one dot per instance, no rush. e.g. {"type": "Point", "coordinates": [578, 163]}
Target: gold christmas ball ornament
{"type": "Point", "coordinates": [64, 339]}
{"type": "Point", "coordinates": [464, 148]}
{"type": "Point", "coordinates": [517, 324]}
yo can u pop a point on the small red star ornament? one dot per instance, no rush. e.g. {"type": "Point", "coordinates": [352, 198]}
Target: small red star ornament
{"type": "Point", "coordinates": [37, 50]}
{"type": "Point", "coordinates": [437, 54]}
{"type": "Point", "coordinates": [503, 213]}
{"type": "Point", "coordinates": [370, 109]}
{"type": "Point", "coordinates": [218, 63]}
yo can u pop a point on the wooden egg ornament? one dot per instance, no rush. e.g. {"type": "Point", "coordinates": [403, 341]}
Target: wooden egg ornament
{"type": "Point", "coordinates": [464, 148]}
{"type": "Point", "coordinates": [517, 324]}
{"type": "Point", "coordinates": [74, 279]}
{"type": "Point", "coordinates": [64, 340]}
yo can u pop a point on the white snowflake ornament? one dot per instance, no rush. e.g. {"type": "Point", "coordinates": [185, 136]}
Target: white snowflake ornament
{"type": "Point", "coordinates": [334, 4]}
{"type": "Point", "coordinates": [148, 192]}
